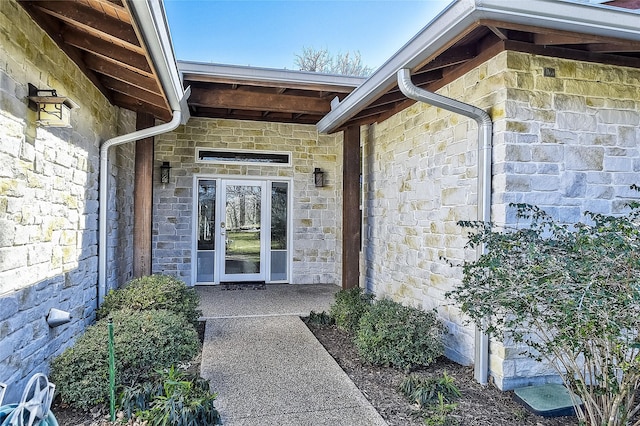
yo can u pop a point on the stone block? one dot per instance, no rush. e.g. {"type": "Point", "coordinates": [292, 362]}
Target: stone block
{"type": "Point", "coordinates": [584, 158]}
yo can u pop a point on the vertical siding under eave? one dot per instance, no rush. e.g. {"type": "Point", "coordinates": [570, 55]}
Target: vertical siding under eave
{"type": "Point", "coordinates": [317, 216]}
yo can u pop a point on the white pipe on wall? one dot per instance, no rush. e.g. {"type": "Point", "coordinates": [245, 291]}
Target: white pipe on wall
{"type": "Point", "coordinates": [485, 133]}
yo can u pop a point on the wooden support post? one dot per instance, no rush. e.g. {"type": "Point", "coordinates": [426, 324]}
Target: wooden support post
{"type": "Point", "coordinates": [351, 208]}
{"type": "Point", "coordinates": [143, 199]}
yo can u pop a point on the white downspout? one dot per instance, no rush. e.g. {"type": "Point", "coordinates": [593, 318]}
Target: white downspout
{"type": "Point", "coordinates": [103, 189]}
{"type": "Point", "coordinates": [485, 133]}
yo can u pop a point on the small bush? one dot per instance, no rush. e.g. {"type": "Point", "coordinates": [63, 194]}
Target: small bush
{"type": "Point", "coordinates": [395, 335]}
{"type": "Point", "coordinates": [153, 292]}
{"type": "Point", "coordinates": [171, 398]}
{"type": "Point", "coordinates": [321, 318]}
{"type": "Point", "coordinates": [144, 340]}
{"type": "Point", "coordinates": [349, 307]}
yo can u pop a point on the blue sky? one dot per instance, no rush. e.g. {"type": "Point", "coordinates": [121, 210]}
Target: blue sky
{"type": "Point", "coordinates": [268, 33]}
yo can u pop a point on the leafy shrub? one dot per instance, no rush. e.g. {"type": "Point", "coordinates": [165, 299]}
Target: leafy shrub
{"type": "Point", "coordinates": [321, 318]}
{"type": "Point", "coordinates": [392, 334]}
{"type": "Point", "coordinates": [349, 306]}
{"type": "Point", "coordinates": [171, 398]}
{"type": "Point", "coordinates": [153, 292]}
{"type": "Point", "coordinates": [571, 294]}
{"type": "Point", "coordinates": [143, 340]}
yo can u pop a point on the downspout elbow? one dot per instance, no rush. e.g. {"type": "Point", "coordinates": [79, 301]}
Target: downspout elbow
{"type": "Point", "coordinates": [178, 118]}
{"type": "Point", "coordinates": [485, 133]}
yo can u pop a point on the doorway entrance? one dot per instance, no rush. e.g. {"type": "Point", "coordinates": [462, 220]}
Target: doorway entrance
{"type": "Point", "coordinates": [242, 232]}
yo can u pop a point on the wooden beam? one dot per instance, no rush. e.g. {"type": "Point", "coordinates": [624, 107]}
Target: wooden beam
{"type": "Point", "coordinates": [108, 68]}
{"type": "Point", "coordinates": [109, 51]}
{"type": "Point", "coordinates": [134, 104]}
{"type": "Point", "coordinates": [237, 99]}
{"type": "Point", "coordinates": [351, 216]}
{"type": "Point", "coordinates": [53, 27]}
{"type": "Point", "coordinates": [143, 199]}
{"type": "Point", "coordinates": [134, 92]}
{"type": "Point", "coordinates": [88, 20]}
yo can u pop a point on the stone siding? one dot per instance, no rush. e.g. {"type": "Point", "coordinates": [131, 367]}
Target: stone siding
{"type": "Point", "coordinates": [317, 214]}
{"type": "Point", "coordinates": [48, 200]}
{"type": "Point", "coordinates": [567, 144]}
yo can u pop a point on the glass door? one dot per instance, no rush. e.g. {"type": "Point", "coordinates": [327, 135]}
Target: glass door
{"type": "Point", "coordinates": [242, 231]}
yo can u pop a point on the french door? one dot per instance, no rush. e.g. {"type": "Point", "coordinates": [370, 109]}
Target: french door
{"type": "Point", "coordinates": [242, 232]}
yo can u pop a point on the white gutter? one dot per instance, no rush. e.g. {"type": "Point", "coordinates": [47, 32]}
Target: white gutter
{"type": "Point", "coordinates": [152, 23]}
{"type": "Point", "coordinates": [485, 133]}
{"type": "Point", "coordinates": [567, 15]}
{"type": "Point", "coordinates": [238, 73]}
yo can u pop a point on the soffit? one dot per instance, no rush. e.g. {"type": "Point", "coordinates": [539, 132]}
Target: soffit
{"type": "Point", "coordinates": [483, 40]}
{"type": "Point", "coordinates": [262, 94]}
{"type": "Point", "coordinates": [103, 39]}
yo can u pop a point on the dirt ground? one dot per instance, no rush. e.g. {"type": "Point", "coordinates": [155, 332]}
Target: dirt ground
{"type": "Point", "coordinates": [478, 406]}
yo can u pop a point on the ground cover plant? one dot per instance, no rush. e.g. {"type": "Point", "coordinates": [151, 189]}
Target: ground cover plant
{"type": "Point", "coordinates": [570, 294]}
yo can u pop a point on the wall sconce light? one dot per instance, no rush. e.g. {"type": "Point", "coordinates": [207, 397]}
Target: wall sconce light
{"type": "Point", "coordinates": [318, 177]}
{"type": "Point", "coordinates": [165, 172]}
{"type": "Point", "coordinates": [53, 110]}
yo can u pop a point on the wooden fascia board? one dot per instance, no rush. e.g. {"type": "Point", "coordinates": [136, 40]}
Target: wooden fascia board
{"type": "Point", "coordinates": [574, 54]}
{"type": "Point", "coordinates": [549, 33]}
{"type": "Point", "coordinates": [92, 21]}
{"type": "Point", "coordinates": [260, 83]}
{"type": "Point", "coordinates": [235, 99]}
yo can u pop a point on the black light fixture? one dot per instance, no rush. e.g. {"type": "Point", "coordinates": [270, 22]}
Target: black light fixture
{"type": "Point", "coordinates": [165, 172]}
{"type": "Point", "coordinates": [53, 110]}
{"type": "Point", "coordinates": [318, 177]}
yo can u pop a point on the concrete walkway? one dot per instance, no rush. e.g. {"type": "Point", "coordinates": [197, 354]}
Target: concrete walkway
{"type": "Point", "coordinates": [268, 368]}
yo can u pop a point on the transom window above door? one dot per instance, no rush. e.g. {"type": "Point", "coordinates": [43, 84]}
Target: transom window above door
{"type": "Point", "coordinates": [243, 157]}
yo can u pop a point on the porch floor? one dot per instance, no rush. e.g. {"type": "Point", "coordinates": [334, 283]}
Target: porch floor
{"type": "Point", "coordinates": [267, 367]}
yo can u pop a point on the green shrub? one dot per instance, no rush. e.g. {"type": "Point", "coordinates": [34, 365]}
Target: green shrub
{"type": "Point", "coordinates": [349, 306]}
{"type": "Point", "coordinates": [569, 292]}
{"type": "Point", "coordinates": [395, 335]}
{"type": "Point", "coordinates": [153, 292]}
{"type": "Point", "coordinates": [144, 341]}
{"type": "Point", "coordinates": [171, 397]}
{"type": "Point", "coordinates": [321, 318]}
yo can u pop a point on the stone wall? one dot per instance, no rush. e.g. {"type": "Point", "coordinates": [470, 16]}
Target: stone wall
{"type": "Point", "coordinates": [567, 144]}
{"type": "Point", "coordinates": [48, 200]}
{"type": "Point", "coordinates": [317, 214]}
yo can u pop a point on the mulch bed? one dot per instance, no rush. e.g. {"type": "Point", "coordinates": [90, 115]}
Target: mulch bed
{"type": "Point", "coordinates": [478, 405]}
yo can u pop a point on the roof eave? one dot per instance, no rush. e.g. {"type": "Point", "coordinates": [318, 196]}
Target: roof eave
{"type": "Point", "coordinates": [152, 23]}
{"type": "Point", "coordinates": [267, 75]}
{"type": "Point", "coordinates": [566, 15]}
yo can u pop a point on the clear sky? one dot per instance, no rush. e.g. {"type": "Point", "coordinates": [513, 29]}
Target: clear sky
{"type": "Point", "coordinates": [268, 33]}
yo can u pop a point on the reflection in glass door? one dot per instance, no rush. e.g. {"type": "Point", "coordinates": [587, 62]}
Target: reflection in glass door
{"type": "Point", "coordinates": [242, 231]}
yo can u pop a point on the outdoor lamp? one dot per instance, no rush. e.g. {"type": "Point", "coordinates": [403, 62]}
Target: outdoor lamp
{"type": "Point", "coordinates": [318, 177]}
{"type": "Point", "coordinates": [53, 110]}
{"type": "Point", "coordinates": [165, 172]}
